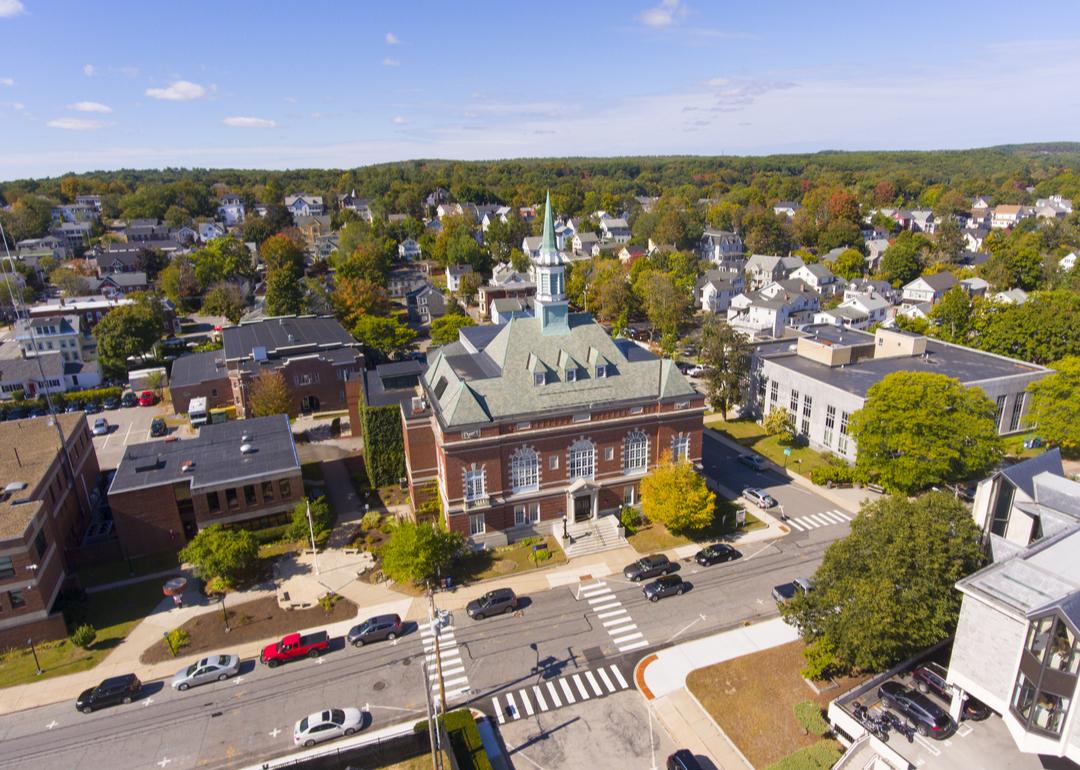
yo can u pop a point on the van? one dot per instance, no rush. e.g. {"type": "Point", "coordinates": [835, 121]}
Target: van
{"type": "Point", "coordinates": [197, 412]}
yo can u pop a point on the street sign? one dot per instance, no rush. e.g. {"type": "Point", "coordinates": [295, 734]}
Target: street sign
{"type": "Point", "coordinates": [740, 517]}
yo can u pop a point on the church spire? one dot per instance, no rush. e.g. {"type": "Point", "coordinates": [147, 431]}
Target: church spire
{"type": "Point", "coordinates": [548, 242]}
{"type": "Point", "coordinates": [551, 280]}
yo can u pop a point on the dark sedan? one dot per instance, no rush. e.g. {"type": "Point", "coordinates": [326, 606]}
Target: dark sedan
{"type": "Point", "coordinates": [663, 587]}
{"type": "Point", "coordinates": [929, 718]}
{"type": "Point", "coordinates": [647, 567]}
{"type": "Point", "coordinates": [111, 692]}
{"type": "Point", "coordinates": [716, 553]}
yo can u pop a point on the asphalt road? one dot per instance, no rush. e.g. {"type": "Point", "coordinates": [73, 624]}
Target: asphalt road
{"type": "Point", "coordinates": [569, 637]}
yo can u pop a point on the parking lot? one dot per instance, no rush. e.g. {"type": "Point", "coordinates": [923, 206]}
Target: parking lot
{"type": "Point", "coordinates": [129, 425]}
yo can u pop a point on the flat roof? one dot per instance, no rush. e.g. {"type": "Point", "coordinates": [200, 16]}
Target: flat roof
{"type": "Point", "coordinates": [195, 368]}
{"type": "Point", "coordinates": [215, 453]}
{"type": "Point", "coordinates": [283, 335]}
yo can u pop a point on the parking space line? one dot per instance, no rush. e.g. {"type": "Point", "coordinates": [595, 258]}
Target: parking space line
{"type": "Point", "coordinates": [927, 745]}
{"type": "Point", "coordinates": [567, 691]}
{"type": "Point", "coordinates": [540, 699]}
{"type": "Point", "coordinates": [593, 683]}
{"type": "Point", "coordinates": [580, 687]}
{"type": "Point", "coordinates": [619, 676]}
{"type": "Point", "coordinates": [554, 695]}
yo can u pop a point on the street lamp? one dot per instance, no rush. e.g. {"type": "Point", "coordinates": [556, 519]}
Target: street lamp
{"type": "Point", "coordinates": [168, 641]}
{"type": "Point", "coordinates": [37, 665]}
{"type": "Point", "coordinates": [311, 529]}
{"type": "Point", "coordinates": [565, 532]}
{"type": "Point", "coordinates": [224, 615]}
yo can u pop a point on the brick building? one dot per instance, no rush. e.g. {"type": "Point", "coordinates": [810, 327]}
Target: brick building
{"type": "Point", "coordinates": [234, 473]}
{"type": "Point", "coordinates": [314, 353]}
{"type": "Point", "coordinates": [545, 417]}
{"type": "Point", "coordinates": [200, 375]}
{"type": "Point", "coordinates": [45, 507]}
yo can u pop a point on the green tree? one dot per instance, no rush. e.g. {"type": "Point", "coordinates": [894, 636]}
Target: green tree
{"type": "Point", "coordinates": [222, 259]}
{"type": "Point", "coordinates": [225, 299]}
{"type": "Point", "coordinates": [779, 423]}
{"type": "Point", "coordinates": [948, 240]}
{"type": "Point", "coordinates": [284, 258]}
{"type": "Point", "coordinates": [177, 281]}
{"type": "Point", "coordinates": [953, 315]}
{"type": "Point", "coordinates": [270, 395]}
{"type": "Point", "coordinates": [68, 281]}
{"type": "Point", "coordinates": [902, 262]}
{"type": "Point", "coordinates": [920, 429]}
{"type": "Point", "coordinates": [384, 336]}
{"type": "Point", "coordinates": [887, 590]}
{"type": "Point", "coordinates": [356, 297]}
{"type": "Point", "coordinates": [227, 554]}
{"type": "Point", "coordinates": [850, 264]}
{"type": "Point", "coordinates": [1015, 262]}
{"type": "Point", "coordinates": [322, 520]}
{"type": "Point", "coordinates": [666, 306]}
{"type": "Point", "coordinates": [1055, 405]}
{"type": "Point", "coordinates": [125, 332]}
{"type": "Point", "coordinates": [725, 353]}
{"type": "Point", "coordinates": [1045, 328]}
{"type": "Point", "coordinates": [416, 553]}
{"type": "Point", "coordinates": [609, 294]}
{"type": "Point", "coordinates": [445, 330]}
{"type": "Point", "coordinates": [675, 495]}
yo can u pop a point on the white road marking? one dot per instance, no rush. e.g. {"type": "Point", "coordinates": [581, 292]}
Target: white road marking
{"type": "Point", "coordinates": [590, 593]}
{"type": "Point", "coordinates": [498, 710]}
{"type": "Point", "coordinates": [511, 706]}
{"type": "Point", "coordinates": [628, 637]}
{"type": "Point", "coordinates": [128, 434]}
{"type": "Point", "coordinates": [164, 761]}
{"type": "Point", "coordinates": [566, 690]}
{"type": "Point", "coordinates": [606, 596]}
{"type": "Point", "coordinates": [238, 680]}
{"type": "Point", "coordinates": [450, 671]}
{"type": "Point", "coordinates": [927, 745]}
{"type": "Point", "coordinates": [451, 682]}
{"type": "Point", "coordinates": [618, 622]}
{"type": "Point", "coordinates": [607, 682]}
{"type": "Point", "coordinates": [634, 646]}
{"type": "Point", "coordinates": [275, 732]}
{"type": "Point", "coordinates": [554, 695]}
{"type": "Point", "coordinates": [613, 613]}
{"type": "Point", "coordinates": [607, 606]}
{"type": "Point", "coordinates": [593, 683]}
{"type": "Point", "coordinates": [526, 702]}
{"type": "Point", "coordinates": [795, 525]}
{"type": "Point", "coordinates": [684, 628]}
{"type": "Point", "coordinates": [51, 725]}
{"type": "Point", "coordinates": [619, 676]}
{"type": "Point", "coordinates": [147, 702]}
{"type": "Point", "coordinates": [581, 687]}
{"type": "Point", "coordinates": [540, 699]}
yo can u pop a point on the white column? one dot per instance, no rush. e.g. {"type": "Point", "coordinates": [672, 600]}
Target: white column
{"type": "Point", "coordinates": [956, 705]}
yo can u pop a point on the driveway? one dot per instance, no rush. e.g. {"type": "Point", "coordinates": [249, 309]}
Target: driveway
{"type": "Point", "coordinates": [130, 425]}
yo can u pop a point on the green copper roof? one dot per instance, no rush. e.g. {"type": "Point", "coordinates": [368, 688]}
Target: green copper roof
{"type": "Point", "coordinates": [548, 243]}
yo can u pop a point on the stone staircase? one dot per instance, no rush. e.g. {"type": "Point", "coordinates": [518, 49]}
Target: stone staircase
{"type": "Point", "coordinates": [587, 537]}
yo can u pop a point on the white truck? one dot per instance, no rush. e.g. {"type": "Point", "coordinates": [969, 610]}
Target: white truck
{"type": "Point", "coordinates": [197, 414]}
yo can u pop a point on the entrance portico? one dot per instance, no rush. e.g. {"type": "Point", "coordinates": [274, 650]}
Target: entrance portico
{"type": "Point", "coordinates": [582, 501]}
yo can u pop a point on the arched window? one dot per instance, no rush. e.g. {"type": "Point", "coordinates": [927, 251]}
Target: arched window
{"type": "Point", "coordinates": [581, 464]}
{"type": "Point", "coordinates": [680, 447]}
{"type": "Point", "coordinates": [524, 470]}
{"type": "Point", "coordinates": [635, 452]}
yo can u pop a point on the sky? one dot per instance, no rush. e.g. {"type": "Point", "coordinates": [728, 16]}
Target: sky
{"type": "Point", "coordinates": [240, 84]}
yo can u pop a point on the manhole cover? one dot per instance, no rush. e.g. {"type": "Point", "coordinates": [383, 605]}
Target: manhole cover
{"type": "Point", "coordinates": [592, 654]}
{"type": "Point", "coordinates": [379, 685]}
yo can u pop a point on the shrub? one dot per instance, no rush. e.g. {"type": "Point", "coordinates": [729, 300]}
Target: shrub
{"type": "Point", "coordinates": [371, 539]}
{"type": "Point", "coordinates": [821, 662]}
{"type": "Point", "coordinates": [322, 520]}
{"type": "Point", "coordinates": [630, 519]}
{"type": "Point", "coordinates": [217, 585]}
{"type": "Point", "coordinates": [371, 520]}
{"type": "Point", "coordinates": [541, 556]}
{"type": "Point", "coordinates": [176, 640]}
{"type": "Point", "coordinates": [84, 636]}
{"type": "Point", "coordinates": [821, 756]}
{"type": "Point", "coordinates": [808, 715]}
{"type": "Point", "coordinates": [823, 475]}
{"type": "Point", "coordinates": [384, 446]}
{"type": "Point", "coordinates": [327, 602]}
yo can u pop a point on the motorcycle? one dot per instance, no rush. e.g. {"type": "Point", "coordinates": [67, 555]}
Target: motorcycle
{"type": "Point", "coordinates": [877, 725]}
{"type": "Point", "coordinates": [901, 726]}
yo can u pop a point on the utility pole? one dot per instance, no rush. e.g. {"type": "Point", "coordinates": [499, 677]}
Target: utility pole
{"type": "Point", "coordinates": [438, 654]}
{"type": "Point", "coordinates": [433, 730]}
{"type": "Point", "coordinates": [311, 529]}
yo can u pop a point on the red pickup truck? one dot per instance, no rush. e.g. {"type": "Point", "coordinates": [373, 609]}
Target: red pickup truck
{"type": "Point", "coordinates": [295, 646]}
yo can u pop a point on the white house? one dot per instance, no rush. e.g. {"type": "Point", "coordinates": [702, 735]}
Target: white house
{"type": "Point", "coordinates": [408, 249]}
{"type": "Point", "coordinates": [720, 246]}
{"type": "Point", "coordinates": [763, 269]}
{"type": "Point", "coordinates": [875, 247]}
{"type": "Point", "coordinates": [974, 237]}
{"type": "Point", "coordinates": [304, 205]}
{"type": "Point", "coordinates": [768, 310]}
{"type": "Point", "coordinates": [928, 288]}
{"type": "Point", "coordinates": [615, 229]}
{"type": "Point", "coordinates": [923, 221]}
{"type": "Point", "coordinates": [860, 312]}
{"type": "Point", "coordinates": [1011, 297]}
{"type": "Point", "coordinates": [584, 243]}
{"type": "Point", "coordinates": [209, 230]}
{"type": "Point", "coordinates": [717, 288]}
{"type": "Point", "coordinates": [818, 277]}
{"type": "Point", "coordinates": [1008, 215]}
{"type": "Point", "coordinates": [230, 210]}
{"type": "Point", "coordinates": [454, 274]}
{"type": "Point", "coordinates": [786, 208]}
{"type": "Point", "coordinates": [975, 286]}
{"type": "Point", "coordinates": [1068, 262]}
{"type": "Point", "coordinates": [530, 246]}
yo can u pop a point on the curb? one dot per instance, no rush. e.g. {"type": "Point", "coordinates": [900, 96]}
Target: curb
{"type": "Point", "coordinates": [719, 730]}
{"type": "Point", "coordinates": [639, 676]}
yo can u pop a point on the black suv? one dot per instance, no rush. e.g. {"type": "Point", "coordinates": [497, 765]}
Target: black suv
{"type": "Point", "coordinates": [683, 759]}
{"type": "Point", "coordinates": [667, 585]}
{"type": "Point", "coordinates": [492, 603]}
{"type": "Point", "coordinates": [158, 427]}
{"type": "Point", "coordinates": [117, 689]}
{"type": "Point", "coordinates": [647, 567]}
{"type": "Point", "coordinates": [129, 399]}
{"type": "Point", "coordinates": [374, 630]}
{"type": "Point", "coordinates": [715, 553]}
{"type": "Point", "coordinates": [930, 677]}
{"type": "Point", "coordinates": [929, 718]}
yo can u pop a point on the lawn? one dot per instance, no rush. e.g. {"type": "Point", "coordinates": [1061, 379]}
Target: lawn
{"type": "Point", "coordinates": [110, 572]}
{"type": "Point", "coordinates": [1014, 445]}
{"type": "Point", "coordinates": [656, 537]}
{"type": "Point", "coordinates": [112, 613]}
{"type": "Point", "coordinates": [752, 699]}
{"type": "Point", "coordinates": [250, 621]}
{"type": "Point", "coordinates": [507, 560]}
{"type": "Point", "coordinates": [419, 762]}
{"type": "Point", "coordinates": [751, 435]}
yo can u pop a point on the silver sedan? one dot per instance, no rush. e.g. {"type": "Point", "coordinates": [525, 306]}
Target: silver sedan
{"type": "Point", "coordinates": [214, 669]}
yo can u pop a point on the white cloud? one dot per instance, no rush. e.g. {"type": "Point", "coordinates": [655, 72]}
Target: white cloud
{"type": "Point", "coordinates": [399, 121]}
{"type": "Point", "coordinates": [663, 15]}
{"type": "Point", "coordinates": [90, 107]}
{"type": "Point", "coordinates": [88, 70]}
{"type": "Point", "coordinates": [388, 62]}
{"type": "Point", "coordinates": [9, 8]}
{"type": "Point", "coordinates": [249, 122]}
{"type": "Point", "coordinates": [178, 91]}
{"type": "Point", "coordinates": [7, 81]}
{"type": "Point", "coordinates": [392, 39]}
{"type": "Point", "coordinates": [75, 124]}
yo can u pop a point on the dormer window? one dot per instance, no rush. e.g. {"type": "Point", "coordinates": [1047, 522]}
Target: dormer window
{"type": "Point", "coordinates": [571, 375]}
{"type": "Point", "coordinates": [538, 378]}
{"type": "Point", "coordinates": [601, 371]}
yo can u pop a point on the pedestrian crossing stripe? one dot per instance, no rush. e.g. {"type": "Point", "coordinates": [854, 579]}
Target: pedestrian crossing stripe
{"type": "Point", "coordinates": [527, 701]}
{"type": "Point", "coordinates": [815, 520]}
{"type": "Point", "coordinates": [613, 617]}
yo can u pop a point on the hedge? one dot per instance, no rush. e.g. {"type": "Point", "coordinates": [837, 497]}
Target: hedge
{"type": "Point", "coordinates": [808, 715]}
{"type": "Point", "coordinates": [384, 446]}
{"type": "Point", "coordinates": [821, 756]}
{"type": "Point", "coordinates": [61, 399]}
{"type": "Point", "coordinates": [835, 474]}
{"type": "Point", "coordinates": [465, 739]}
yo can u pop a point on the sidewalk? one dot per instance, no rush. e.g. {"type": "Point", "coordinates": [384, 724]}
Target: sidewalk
{"type": "Point", "coordinates": [661, 678]}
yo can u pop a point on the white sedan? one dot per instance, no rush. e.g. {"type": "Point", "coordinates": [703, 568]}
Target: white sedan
{"type": "Point", "coordinates": [101, 427]}
{"type": "Point", "coordinates": [327, 725]}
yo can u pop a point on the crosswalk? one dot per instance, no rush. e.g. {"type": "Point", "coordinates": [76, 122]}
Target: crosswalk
{"type": "Point", "coordinates": [613, 617]}
{"type": "Point", "coordinates": [453, 668]}
{"type": "Point", "coordinates": [556, 693]}
{"type": "Point", "coordinates": [815, 520]}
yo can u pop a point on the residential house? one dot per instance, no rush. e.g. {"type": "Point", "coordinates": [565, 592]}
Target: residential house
{"type": "Point", "coordinates": [409, 250]}
{"type": "Point", "coordinates": [628, 255]}
{"type": "Point", "coordinates": [583, 243]}
{"type": "Point", "coordinates": [974, 237]}
{"type": "Point", "coordinates": [875, 247]}
{"type": "Point", "coordinates": [503, 309]}
{"type": "Point", "coordinates": [720, 247]}
{"type": "Point", "coordinates": [304, 205]}
{"type": "Point", "coordinates": [1009, 215]}
{"type": "Point", "coordinates": [230, 210]}
{"type": "Point", "coordinates": [1011, 297]}
{"type": "Point", "coordinates": [823, 375]}
{"type": "Point", "coordinates": [928, 288]}
{"type": "Point", "coordinates": [209, 230]}
{"type": "Point", "coordinates": [505, 283]}
{"type": "Point", "coordinates": [975, 286]}
{"type": "Point", "coordinates": [1068, 262]}
{"type": "Point", "coordinates": [93, 201]}
{"type": "Point", "coordinates": [544, 421]}
{"type": "Point", "coordinates": [860, 312]}
{"type": "Point", "coordinates": [786, 208]}
{"type": "Point", "coordinates": [403, 279]}
{"type": "Point", "coordinates": [118, 258]}
{"type": "Point", "coordinates": [615, 229]}
{"type": "Point", "coordinates": [73, 212]}
{"type": "Point", "coordinates": [74, 234]}
{"type": "Point", "coordinates": [647, 202]}
{"type": "Point", "coordinates": [146, 231]}
{"type": "Point", "coordinates": [971, 258]}
{"type": "Point", "coordinates": [325, 245]}
{"type": "Point", "coordinates": [923, 221]}
{"type": "Point", "coordinates": [119, 283]}
{"type": "Point", "coordinates": [763, 269]}
{"type": "Point", "coordinates": [530, 246]}
{"type": "Point", "coordinates": [30, 250]}
{"type": "Point", "coordinates": [818, 277]}
{"type": "Point", "coordinates": [92, 309]}
{"type": "Point", "coordinates": [981, 204]}
{"type": "Point", "coordinates": [1006, 504]}
{"type": "Point", "coordinates": [768, 311]}
{"type": "Point", "coordinates": [425, 304]}
{"type": "Point", "coordinates": [360, 206]}
{"type": "Point", "coordinates": [50, 472]}
{"type": "Point", "coordinates": [239, 473]}
{"type": "Point", "coordinates": [1054, 207]}
{"type": "Point", "coordinates": [200, 375]}
{"type": "Point", "coordinates": [454, 274]}
{"type": "Point", "coordinates": [717, 288]}
{"type": "Point", "coordinates": [448, 209]}
{"type": "Point", "coordinates": [312, 228]}
{"type": "Point", "coordinates": [437, 196]}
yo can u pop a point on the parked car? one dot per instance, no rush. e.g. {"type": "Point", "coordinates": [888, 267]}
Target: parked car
{"type": "Point", "coordinates": [110, 403]}
{"type": "Point", "coordinates": [929, 718]}
{"type": "Point", "coordinates": [374, 630]}
{"type": "Point", "coordinates": [757, 462]}
{"type": "Point", "coordinates": [648, 567]}
{"type": "Point", "coordinates": [158, 427]}
{"type": "Point", "coordinates": [683, 759]}
{"type": "Point", "coordinates": [975, 709]}
{"type": "Point", "coordinates": [38, 411]}
{"type": "Point", "coordinates": [74, 405]}
{"type": "Point", "coordinates": [215, 669]}
{"type": "Point", "coordinates": [101, 427]}
{"type": "Point", "coordinates": [787, 591]}
{"type": "Point", "coordinates": [147, 398]}
{"type": "Point", "coordinates": [492, 603]}
{"type": "Point", "coordinates": [114, 690]}
{"type": "Point", "coordinates": [129, 399]}
{"type": "Point", "coordinates": [664, 586]}
{"type": "Point", "coordinates": [759, 497]}
{"type": "Point", "coordinates": [327, 725]}
{"type": "Point", "coordinates": [716, 553]}
{"type": "Point", "coordinates": [92, 407]}
{"type": "Point", "coordinates": [295, 646]}
{"type": "Point", "coordinates": [697, 371]}
{"type": "Point", "coordinates": [17, 413]}
{"type": "Point", "coordinates": [930, 677]}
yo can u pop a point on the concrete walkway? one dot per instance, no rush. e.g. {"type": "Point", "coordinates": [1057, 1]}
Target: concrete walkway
{"type": "Point", "coordinates": [661, 678]}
